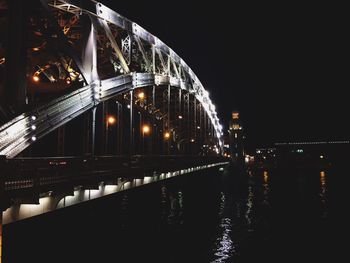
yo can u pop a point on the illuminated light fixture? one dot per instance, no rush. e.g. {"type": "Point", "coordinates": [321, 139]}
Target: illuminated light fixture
{"type": "Point", "coordinates": [146, 129]}
{"type": "Point", "coordinates": [180, 117]}
{"type": "Point", "coordinates": [128, 106]}
{"type": "Point", "coordinates": [111, 120]}
{"type": "Point", "coordinates": [68, 81]}
{"type": "Point", "coordinates": [33, 138]}
{"type": "Point", "coordinates": [33, 127]}
{"type": "Point", "coordinates": [198, 127]}
{"type": "Point", "coordinates": [36, 78]}
{"type": "Point", "coordinates": [192, 140]}
{"type": "Point", "coordinates": [235, 115]}
{"type": "Point", "coordinates": [33, 118]}
{"type": "Point", "coordinates": [121, 70]}
{"type": "Point", "coordinates": [141, 95]}
{"type": "Point", "coordinates": [167, 135]}
{"type": "Point", "coordinates": [321, 156]}
{"type": "Point", "coordinates": [228, 155]}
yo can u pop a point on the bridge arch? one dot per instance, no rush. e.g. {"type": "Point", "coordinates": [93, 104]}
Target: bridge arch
{"type": "Point", "coordinates": [137, 59]}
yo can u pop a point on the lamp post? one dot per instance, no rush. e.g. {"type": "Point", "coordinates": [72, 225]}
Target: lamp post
{"type": "Point", "coordinates": [145, 130]}
{"type": "Point", "coordinates": [141, 132]}
{"type": "Point", "coordinates": [110, 120]}
{"type": "Point", "coordinates": [119, 128]}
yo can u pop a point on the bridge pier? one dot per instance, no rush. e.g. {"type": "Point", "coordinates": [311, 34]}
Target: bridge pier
{"type": "Point", "coordinates": [131, 134]}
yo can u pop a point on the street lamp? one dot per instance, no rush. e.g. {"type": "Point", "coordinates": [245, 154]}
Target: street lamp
{"type": "Point", "coordinates": [166, 135]}
{"type": "Point", "coordinates": [36, 78]}
{"type": "Point", "coordinates": [141, 95]}
{"type": "Point", "coordinates": [145, 130]}
{"type": "Point", "coordinates": [110, 120]}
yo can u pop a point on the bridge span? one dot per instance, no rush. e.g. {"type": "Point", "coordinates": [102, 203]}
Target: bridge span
{"type": "Point", "coordinates": [78, 79]}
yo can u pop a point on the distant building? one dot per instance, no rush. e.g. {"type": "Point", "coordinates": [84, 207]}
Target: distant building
{"type": "Point", "coordinates": [312, 152]}
{"type": "Point", "coordinates": [236, 139]}
{"type": "Point", "coordinates": [316, 154]}
{"type": "Point", "coordinates": [265, 157]}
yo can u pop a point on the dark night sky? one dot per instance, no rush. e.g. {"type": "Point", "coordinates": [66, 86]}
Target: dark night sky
{"type": "Point", "coordinates": [284, 67]}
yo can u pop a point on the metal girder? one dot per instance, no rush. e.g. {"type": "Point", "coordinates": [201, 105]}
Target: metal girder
{"type": "Point", "coordinates": [126, 49]}
{"type": "Point", "coordinates": [143, 52]}
{"type": "Point", "coordinates": [115, 46]}
{"type": "Point", "coordinates": [67, 7]}
{"type": "Point", "coordinates": [63, 39]}
{"type": "Point", "coordinates": [165, 67]}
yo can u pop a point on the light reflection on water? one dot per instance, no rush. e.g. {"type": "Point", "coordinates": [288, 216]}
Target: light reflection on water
{"type": "Point", "coordinates": [225, 219]}
{"type": "Point", "coordinates": [323, 194]}
{"type": "Point", "coordinates": [224, 246]}
{"type": "Point", "coordinates": [266, 188]}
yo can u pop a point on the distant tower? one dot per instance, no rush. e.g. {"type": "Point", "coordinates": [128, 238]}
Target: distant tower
{"type": "Point", "coordinates": [236, 139]}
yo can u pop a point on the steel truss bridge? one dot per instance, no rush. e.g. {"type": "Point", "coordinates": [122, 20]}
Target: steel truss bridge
{"type": "Point", "coordinates": [82, 59]}
{"type": "Point", "coordinates": [90, 99]}
{"type": "Point", "coordinates": [88, 96]}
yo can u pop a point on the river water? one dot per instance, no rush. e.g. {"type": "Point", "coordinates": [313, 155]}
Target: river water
{"type": "Point", "coordinates": [282, 215]}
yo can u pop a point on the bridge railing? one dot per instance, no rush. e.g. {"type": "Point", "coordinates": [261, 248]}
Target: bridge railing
{"type": "Point", "coordinates": [43, 173]}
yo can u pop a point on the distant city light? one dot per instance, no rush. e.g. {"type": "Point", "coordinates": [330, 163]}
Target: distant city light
{"type": "Point", "coordinates": [33, 138]}
{"type": "Point", "coordinates": [128, 106]}
{"type": "Point", "coordinates": [33, 118]}
{"type": "Point", "coordinates": [192, 140]}
{"type": "Point", "coordinates": [33, 127]}
{"type": "Point", "coordinates": [180, 117]}
{"type": "Point", "coordinates": [321, 156]}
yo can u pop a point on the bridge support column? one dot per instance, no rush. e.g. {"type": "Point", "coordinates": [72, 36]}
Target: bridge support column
{"type": "Point", "coordinates": [119, 127]}
{"type": "Point", "coordinates": [105, 128]}
{"type": "Point", "coordinates": [188, 125]}
{"type": "Point", "coordinates": [131, 132]}
{"type": "Point", "coordinates": [93, 130]}
{"type": "Point", "coordinates": [195, 125]}
{"type": "Point", "coordinates": [154, 127]}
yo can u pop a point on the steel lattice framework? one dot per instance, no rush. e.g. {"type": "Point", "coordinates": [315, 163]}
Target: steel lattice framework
{"type": "Point", "coordinates": [137, 58]}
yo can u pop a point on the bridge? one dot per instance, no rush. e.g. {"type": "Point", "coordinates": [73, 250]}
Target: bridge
{"type": "Point", "coordinates": [90, 99]}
